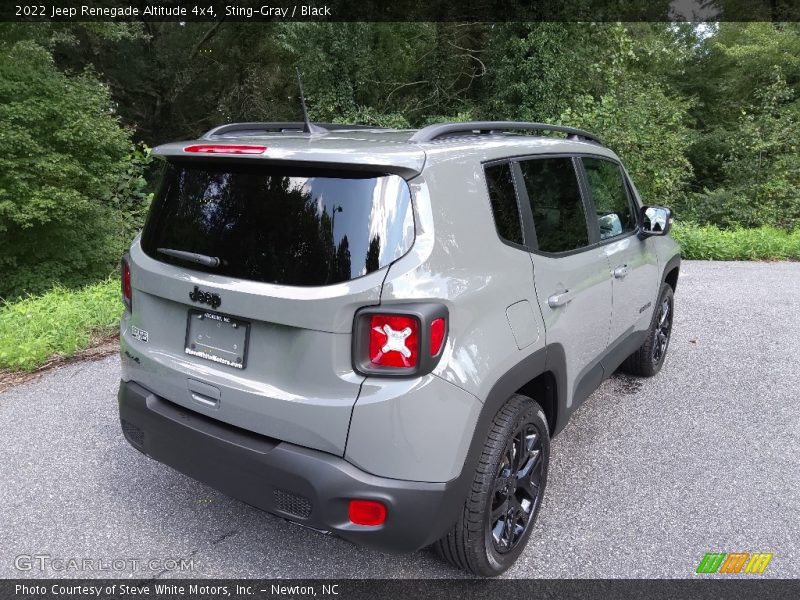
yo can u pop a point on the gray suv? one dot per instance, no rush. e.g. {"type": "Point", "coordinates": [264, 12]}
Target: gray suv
{"type": "Point", "coordinates": [376, 332]}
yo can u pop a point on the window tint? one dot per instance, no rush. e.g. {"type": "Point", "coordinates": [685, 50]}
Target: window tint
{"type": "Point", "coordinates": [614, 214]}
{"type": "Point", "coordinates": [281, 225]}
{"type": "Point", "coordinates": [555, 198]}
{"type": "Point", "coordinates": [504, 202]}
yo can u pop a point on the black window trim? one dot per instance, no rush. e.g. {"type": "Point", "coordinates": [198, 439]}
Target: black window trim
{"type": "Point", "coordinates": [633, 194]}
{"type": "Point", "coordinates": [523, 203]}
{"type": "Point", "coordinates": [526, 215]}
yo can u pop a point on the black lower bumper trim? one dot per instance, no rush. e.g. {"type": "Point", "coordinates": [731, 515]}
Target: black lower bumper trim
{"type": "Point", "coordinates": [307, 486]}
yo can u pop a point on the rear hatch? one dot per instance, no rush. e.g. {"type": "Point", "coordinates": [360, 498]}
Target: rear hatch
{"type": "Point", "coordinates": [247, 276]}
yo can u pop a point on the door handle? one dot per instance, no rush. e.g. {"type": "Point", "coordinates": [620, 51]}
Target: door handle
{"type": "Point", "coordinates": [559, 299]}
{"type": "Point", "coordinates": [621, 272]}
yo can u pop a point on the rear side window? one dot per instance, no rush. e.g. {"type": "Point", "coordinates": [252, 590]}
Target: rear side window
{"type": "Point", "coordinates": [556, 204]}
{"type": "Point", "coordinates": [504, 202]}
{"type": "Point", "coordinates": [614, 213]}
{"type": "Point", "coordinates": [279, 225]}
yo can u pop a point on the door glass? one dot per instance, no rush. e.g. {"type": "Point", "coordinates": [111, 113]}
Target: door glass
{"type": "Point", "coordinates": [558, 215]}
{"type": "Point", "coordinates": [614, 214]}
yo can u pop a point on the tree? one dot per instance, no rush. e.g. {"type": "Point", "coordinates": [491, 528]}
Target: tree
{"type": "Point", "coordinates": [63, 160]}
{"type": "Point", "coordinates": [746, 81]}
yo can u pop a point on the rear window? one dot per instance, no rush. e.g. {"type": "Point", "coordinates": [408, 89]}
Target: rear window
{"type": "Point", "coordinates": [286, 226]}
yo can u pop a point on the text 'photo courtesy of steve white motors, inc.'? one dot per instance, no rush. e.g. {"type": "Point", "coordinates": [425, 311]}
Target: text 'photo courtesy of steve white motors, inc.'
{"type": "Point", "coordinates": [176, 590]}
{"type": "Point", "coordinates": [187, 10]}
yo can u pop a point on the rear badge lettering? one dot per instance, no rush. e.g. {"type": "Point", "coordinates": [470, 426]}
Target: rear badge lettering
{"type": "Point", "coordinates": [139, 334]}
{"type": "Point", "coordinates": [201, 297]}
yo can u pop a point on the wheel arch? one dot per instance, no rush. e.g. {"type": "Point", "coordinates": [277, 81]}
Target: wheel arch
{"type": "Point", "coordinates": [542, 376]}
{"type": "Point", "coordinates": [671, 272]}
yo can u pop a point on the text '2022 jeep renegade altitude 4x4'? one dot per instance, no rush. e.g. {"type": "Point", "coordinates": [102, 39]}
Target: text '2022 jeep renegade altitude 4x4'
{"type": "Point", "coordinates": [376, 332]}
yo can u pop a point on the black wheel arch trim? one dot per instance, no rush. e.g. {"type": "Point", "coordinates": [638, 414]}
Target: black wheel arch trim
{"type": "Point", "coordinates": [672, 264]}
{"type": "Point", "coordinates": [550, 358]}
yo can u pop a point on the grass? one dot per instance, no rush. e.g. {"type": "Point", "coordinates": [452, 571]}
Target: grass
{"type": "Point", "coordinates": [58, 323]}
{"type": "Point", "coordinates": [708, 242]}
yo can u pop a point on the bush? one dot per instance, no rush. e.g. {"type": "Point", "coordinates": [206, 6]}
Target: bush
{"type": "Point", "coordinates": [69, 176]}
{"type": "Point", "coordinates": [645, 128]}
{"type": "Point", "coordinates": [708, 242]}
{"type": "Point", "coordinates": [728, 209]}
{"type": "Point", "coordinates": [752, 165]}
{"type": "Point", "coordinates": [58, 322]}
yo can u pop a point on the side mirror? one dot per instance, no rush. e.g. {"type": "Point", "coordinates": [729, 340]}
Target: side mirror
{"type": "Point", "coordinates": [655, 220]}
{"type": "Point", "coordinates": [610, 225]}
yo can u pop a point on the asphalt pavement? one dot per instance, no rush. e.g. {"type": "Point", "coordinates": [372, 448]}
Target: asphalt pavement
{"type": "Point", "coordinates": [648, 476]}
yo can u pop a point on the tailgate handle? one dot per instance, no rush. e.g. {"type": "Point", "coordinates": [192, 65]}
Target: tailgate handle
{"type": "Point", "coordinates": [205, 400]}
{"type": "Point", "coordinates": [204, 394]}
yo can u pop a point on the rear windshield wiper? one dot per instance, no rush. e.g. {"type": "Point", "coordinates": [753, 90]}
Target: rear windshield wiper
{"type": "Point", "coordinates": [200, 259]}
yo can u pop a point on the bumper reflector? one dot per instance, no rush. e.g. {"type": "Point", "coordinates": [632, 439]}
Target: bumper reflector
{"type": "Point", "coordinates": [367, 512]}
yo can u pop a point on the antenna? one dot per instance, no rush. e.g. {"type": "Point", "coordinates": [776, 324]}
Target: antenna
{"type": "Point", "coordinates": [308, 126]}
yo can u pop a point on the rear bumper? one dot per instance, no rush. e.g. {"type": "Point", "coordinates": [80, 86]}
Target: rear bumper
{"type": "Point", "coordinates": [306, 486]}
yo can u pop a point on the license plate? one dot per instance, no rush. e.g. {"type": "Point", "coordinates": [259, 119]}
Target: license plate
{"type": "Point", "coordinates": [218, 338]}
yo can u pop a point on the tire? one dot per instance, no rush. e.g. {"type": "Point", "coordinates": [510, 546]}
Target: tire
{"type": "Point", "coordinates": [477, 542]}
{"type": "Point", "coordinates": [649, 358]}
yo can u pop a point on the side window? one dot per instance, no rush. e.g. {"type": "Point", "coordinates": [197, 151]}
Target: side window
{"type": "Point", "coordinates": [614, 212]}
{"type": "Point", "coordinates": [504, 202]}
{"type": "Point", "coordinates": [555, 197]}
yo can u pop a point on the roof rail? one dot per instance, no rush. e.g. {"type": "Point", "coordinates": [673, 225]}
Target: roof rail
{"type": "Point", "coordinates": [277, 127]}
{"type": "Point", "coordinates": [433, 132]}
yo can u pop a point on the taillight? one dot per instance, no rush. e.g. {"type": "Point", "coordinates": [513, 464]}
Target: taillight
{"type": "Point", "coordinates": [225, 149]}
{"type": "Point", "coordinates": [399, 340]}
{"type": "Point", "coordinates": [367, 512]}
{"type": "Point", "coordinates": [126, 283]}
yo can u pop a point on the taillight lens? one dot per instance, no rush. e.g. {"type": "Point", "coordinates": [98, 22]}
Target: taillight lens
{"type": "Point", "coordinates": [367, 512]}
{"type": "Point", "coordinates": [399, 340]}
{"type": "Point", "coordinates": [224, 149]}
{"type": "Point", "coordinates": [394, 341]}
{"type": "Point", "coordinates": [126, 283]}
{"type": "Point", "coordinates": [437, 335]}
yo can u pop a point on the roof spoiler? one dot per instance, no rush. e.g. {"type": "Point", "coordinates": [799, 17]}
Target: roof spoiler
{"type": "Point", "coordinates": [440, 130]}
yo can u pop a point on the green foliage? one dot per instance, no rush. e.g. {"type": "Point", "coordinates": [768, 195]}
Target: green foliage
{"type": "Point", "coordinates": [382, 73]}
{"type": "Point", "coordinates": [746, 81]}
{"type": "Point", "coordinates": [639, 117]}
{"type": "Point", "coordinates": [370, 116]}
{"type": "Point", "coordinates": [707, 242]}
{"type": "Point", "coordinates": [64, 166]}
{"type": "Point", "coordinates": [645, 128]}
{"type": "Point", "coordinates": [59, 322]}
{"type": "Point", "coordinates": [537, 70]}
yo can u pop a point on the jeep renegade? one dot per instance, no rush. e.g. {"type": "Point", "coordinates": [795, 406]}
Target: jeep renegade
{"type": "Point", "coordinates": [376, 332]}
